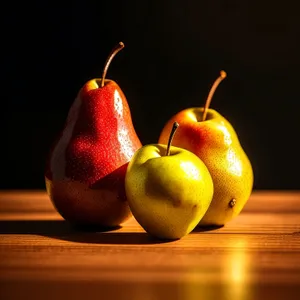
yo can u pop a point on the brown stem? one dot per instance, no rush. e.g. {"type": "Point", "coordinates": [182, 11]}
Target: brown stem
{"type": "Point", "coordinates": [174, 128]}
{"type": "Point", "coordinates": [114, 51]}
{"type": "Point", "coordinates": [211, 93]}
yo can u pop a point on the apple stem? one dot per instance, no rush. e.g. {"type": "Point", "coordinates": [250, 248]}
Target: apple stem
{"type": "Point", "coordinates": [174, 128]}
{"type": "Point", "coordinates": [211, 93]}
{"type": "Point", "coordinates": [114, 51]}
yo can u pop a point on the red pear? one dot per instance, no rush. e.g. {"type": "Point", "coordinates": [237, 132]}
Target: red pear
{"type": "Point", "coordinates": [85, 172]}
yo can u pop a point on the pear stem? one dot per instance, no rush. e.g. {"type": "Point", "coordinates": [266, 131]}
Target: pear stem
{"type": "Point", "coordinates": [114, 51]}
{"type": "Point", "coordinates": [174, 128]}
{"type": "Point", "coordinates": [211, 93]}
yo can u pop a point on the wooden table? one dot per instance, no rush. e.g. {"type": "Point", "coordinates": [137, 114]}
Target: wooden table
{"type": "Point", "coordinates": [255, 256]}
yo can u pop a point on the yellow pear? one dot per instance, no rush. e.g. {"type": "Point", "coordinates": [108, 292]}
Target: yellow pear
{"type": "Point", "coordinates": [211, 137]}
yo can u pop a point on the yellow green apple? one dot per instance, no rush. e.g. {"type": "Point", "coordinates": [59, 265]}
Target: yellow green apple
{"type": "Point", "coordinates": [169, 189]}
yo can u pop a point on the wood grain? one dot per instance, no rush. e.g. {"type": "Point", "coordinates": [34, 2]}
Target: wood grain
{"type": "Point", "coordinates": [255, 256]}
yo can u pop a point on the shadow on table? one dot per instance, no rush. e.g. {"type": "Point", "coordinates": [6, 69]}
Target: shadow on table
{"type": "Point", "coordinates": [62, 230]}
{"type": "Point", "coordinates": [207, 228]}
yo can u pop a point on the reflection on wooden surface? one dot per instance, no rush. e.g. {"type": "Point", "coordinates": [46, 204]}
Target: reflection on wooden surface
{"type": "Point", "coordinates": [255, 256]}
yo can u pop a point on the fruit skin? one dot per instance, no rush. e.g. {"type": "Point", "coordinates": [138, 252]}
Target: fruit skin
{"type": "Point", "coordinates": [168, 195]}
{"type": "Point", "coordinates": [216, 143]}
{"type": "Point", "coordinates": [85, 172]}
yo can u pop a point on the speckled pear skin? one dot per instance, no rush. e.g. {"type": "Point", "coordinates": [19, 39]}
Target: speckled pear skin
{"type": "Point", "coordinates": [85, 171]}
{"type": "Point", "coordinates": [216, 143]}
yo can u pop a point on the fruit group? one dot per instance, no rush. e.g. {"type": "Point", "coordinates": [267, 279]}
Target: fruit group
{"type": "Point", "coordinates": [169, 189]}
{"type": "Point", "coordinates": [211, 137]}
{"type": "Point", "coordinates": [86, 169]}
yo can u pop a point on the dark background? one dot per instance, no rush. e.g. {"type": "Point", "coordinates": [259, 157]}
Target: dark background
{"type": "Point", "coordinates": [174, 51]}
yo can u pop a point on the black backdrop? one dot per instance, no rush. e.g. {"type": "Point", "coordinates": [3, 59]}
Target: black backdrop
{"type": "Point", "coordinates": [174, 51]}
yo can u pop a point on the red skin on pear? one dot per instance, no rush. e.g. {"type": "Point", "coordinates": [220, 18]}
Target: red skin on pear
{"type": "Point", "coordinates": [85, 172]}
